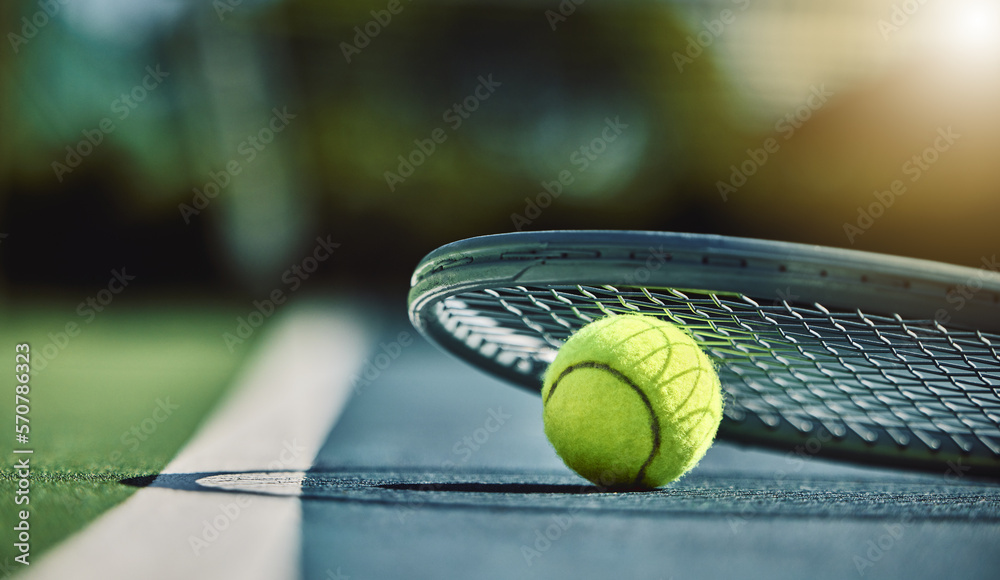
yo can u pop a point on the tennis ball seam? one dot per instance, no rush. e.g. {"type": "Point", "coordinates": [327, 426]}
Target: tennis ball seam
{"type": "Point", "coordinates": [653, 419]}
{"type": "Point", "coordinates": [683, 436]}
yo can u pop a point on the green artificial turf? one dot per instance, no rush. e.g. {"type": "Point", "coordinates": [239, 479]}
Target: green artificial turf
{"type": "Point", "coordinates": [94, 418]}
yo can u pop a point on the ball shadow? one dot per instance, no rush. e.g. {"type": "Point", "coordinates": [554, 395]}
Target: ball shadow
{"type": "Point", "coordinates": [507, 488]}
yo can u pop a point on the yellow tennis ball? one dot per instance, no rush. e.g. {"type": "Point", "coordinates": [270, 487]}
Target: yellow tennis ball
{"type": "Point", "coordinates": [631, 401]}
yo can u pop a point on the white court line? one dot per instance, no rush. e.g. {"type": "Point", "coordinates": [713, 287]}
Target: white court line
{"type": "Point", "coordinates": [277, 417]}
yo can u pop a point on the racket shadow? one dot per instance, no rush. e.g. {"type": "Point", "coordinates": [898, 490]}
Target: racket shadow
{"type": "Point", "coordinates": [284, 483]}
{"type": "Point", "coordinates": [914, 497]}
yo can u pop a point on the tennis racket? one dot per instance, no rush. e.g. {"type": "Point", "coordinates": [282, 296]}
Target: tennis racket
{"type": "Point", "coordinates": [822, 351]}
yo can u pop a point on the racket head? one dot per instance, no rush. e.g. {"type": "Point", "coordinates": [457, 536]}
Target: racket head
{"type": "Point", "coordinates": [823, 351]}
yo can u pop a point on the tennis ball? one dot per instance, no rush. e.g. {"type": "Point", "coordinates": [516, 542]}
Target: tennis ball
{"type": "Point", "coordinates": [631, 402]}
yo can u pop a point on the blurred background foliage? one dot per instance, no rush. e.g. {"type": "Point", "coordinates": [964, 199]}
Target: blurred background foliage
{"type": "Point", "coordinates": [897, 71]}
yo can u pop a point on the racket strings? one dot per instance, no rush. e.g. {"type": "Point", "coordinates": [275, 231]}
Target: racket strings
{"type": "Point", "coordinates": [914, 382]}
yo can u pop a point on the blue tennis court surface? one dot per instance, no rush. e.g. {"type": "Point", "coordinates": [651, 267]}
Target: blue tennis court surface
{"type": "Point", "coordinates": [436, 470]}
